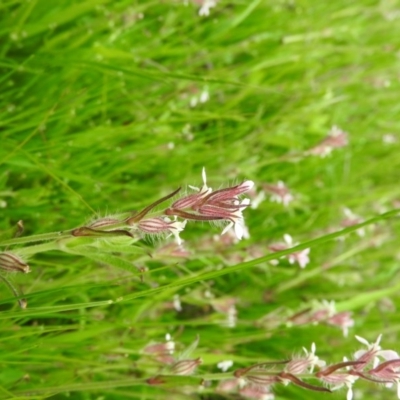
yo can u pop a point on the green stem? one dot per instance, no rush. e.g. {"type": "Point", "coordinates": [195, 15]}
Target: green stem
{"type": "Point", "coordinates": [36, 238]}
{"type": "Point", "coordinates": [21, 302]}
{"type": "Point", "coordinates": [39, 248]}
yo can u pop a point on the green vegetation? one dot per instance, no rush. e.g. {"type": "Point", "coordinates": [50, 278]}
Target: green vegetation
{"type": "Point", "coordinates": [108, 106]}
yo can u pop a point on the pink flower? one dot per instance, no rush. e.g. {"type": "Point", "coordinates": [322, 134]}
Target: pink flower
{"type": "Point", "coordinates": [225, 365]}
{"type": "Point", "coordinates": [301, 365]}
{"type": "Point", "coordinates": [220, 205]}
{"type": "Point", "coordinates": [300, 257]}
{"type": "Point", "coordinates": [163, 352]}
{"type": "Point", "coordinates": [226, 306]}
{"type": "Point", "coordinates": [185, 367]}
{"type": "Point", "coordinates": [192, 200]}
{"type": "Point", "coordinates": [228, 385]}
{"type": "Point", "coordinates": [256, 392]}
{"type": "Point", "coordinates": [388, 371]}
{"type": "Point", "coordinates": [336, 138]}
{"type": "Point", "coordinates": [343, 320]}
{"type": "Point", "coordinates": [279, 193]}
{"type": "Point", "coordinates": [352, 219]}
{"type": "Point", "coordinates": [159, 225]}
{"type": "Point", "coordinates": [372, 353]}
{"type": "Point", "coordinates": [336, 379]}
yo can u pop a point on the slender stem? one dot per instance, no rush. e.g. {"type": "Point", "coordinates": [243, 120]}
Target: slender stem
{"type": "Point", "coordinates": [22, 302]}
{"type": "Point", "coordinates": [39, 248]}
{"type": "Point", "coordinates": [36, 238]}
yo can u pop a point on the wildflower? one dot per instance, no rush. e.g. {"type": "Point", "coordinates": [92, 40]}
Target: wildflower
{"type": "Point", "coordinates": [301, 365]}
{"type": "Point", "coordinates": [203, 98]}
{"type": "Point", "coordinates": [336, 138]}
{"type": "Point", "coordinates": [225, 365]}
{"type": "Point", "coordinates": [352, 219]}
{"type": "Point", "coordinates": [162, 224]}
{"type": "Point", "coordinates": [206, 5]}
{"type": "Point", "coordinates": [171, 250]}
{"type": "Point", "coordinates": [162, 351]}
{"type": "Point", "coordinates": [389, 372]}
{"type": "Point", "coordinates": [193, 199]}
{"type": "Point", "coordinates": [256, 392]}
{"type": "Point", "coordinates": [140, 215]}
{"type": "Point", "coordinates": [343, 320]}
{"type": "Point", "coordinates": [389, 138]}
{"type": "Point", "coordinates": [300, 257]}
{"type": "Point", "coordinates": [336, 379]}
{"type": "Point", "coordinates": [177, 303]}
{"type": "Point", "coordinates": [279, 193]}
{"type": "Point", "coordinates": [225, 204]}
{"type": "Point", "coordinates": [259, 377]}
{"type": "Point", "coordinates": [226, 306]}
{"type": "Point", "coordinates": [185, 367]}
{"type": "Point", "coordinates": [105, 222]}
{"type": "Point", "coordinates": [12, 263]}
{"type": "Point", "coordinates": [237, 221]}
{"type": "Point", "coordinates": [228, 385]}
{"type": "Point", "coordinates": [208, 205]}
{"type": "Point", "coordinates": [372, 354]}
{"type": "Point", "coordinates": [326, 312]}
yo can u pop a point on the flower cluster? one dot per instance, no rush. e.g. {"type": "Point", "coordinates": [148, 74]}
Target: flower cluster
{"type": "Point", "coordinates": [164, 353]}
{"type": "Point", "coordinates": [324, 312]}
{"type": "Point", "coordinates": [203, 204]}
{"type": "Point", "coordinates": [371, 364]}
{"type": "Point", "coordinates": [219, 205]}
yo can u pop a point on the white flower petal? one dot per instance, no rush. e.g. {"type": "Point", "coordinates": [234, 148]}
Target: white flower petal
{"type": "Point", "coordinates": [388, 354]}
{"type": "Point", "coordinates": [288, 239]}
{"type": "Point", "coordinates": [204, 176]}
{"type": "Point", "coordinates": [239, 229]}
{"type": "Point", "coordinates": [226, 229]}
{"type": "Point", "coordinates": [362, 340]}
{"type": "Point", "coordinates": [349, 393]}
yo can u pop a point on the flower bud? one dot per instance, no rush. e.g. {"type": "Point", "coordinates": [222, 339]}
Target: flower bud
{"type": "Point", "coordinates": [185, 367]}
{"type": "Point", "coordinates": [13, 263]}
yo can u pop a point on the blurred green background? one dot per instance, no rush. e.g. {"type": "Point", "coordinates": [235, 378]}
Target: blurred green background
{"type": "Point", "coordinates": [106, 106]}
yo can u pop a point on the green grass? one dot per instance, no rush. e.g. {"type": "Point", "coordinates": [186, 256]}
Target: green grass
{"type": "Point", "coordinates": [95, 120]}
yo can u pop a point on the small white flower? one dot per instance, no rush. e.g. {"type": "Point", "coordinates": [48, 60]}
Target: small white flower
{"type": "Point", "coordinates": [257, 200]}
{"type": "Point", "coordinates": [177, 303]}
{"type": "Point", "coordinates": [206, 5]}
{"type": "Point", "coordinates": [225, 365]}
{"type": "Point", "coordinates": [175, 228]}
{"type": "Point", "coordinates": [313, 359]}
{"type": "Point", "coordinates": [300, 257]}
{"type": "Point", "coordinates": [280, 193]}
{"type": "Point", "coordinates": [237, 221]}
{"type": "Point", "coordinates": [204, 190]}
{"type": "Point", "coordinates": [170, 344]}
{"type": "Point", "coordinates": [389, 138]}
{"type": "Point", "coordinates": [204, 96]}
